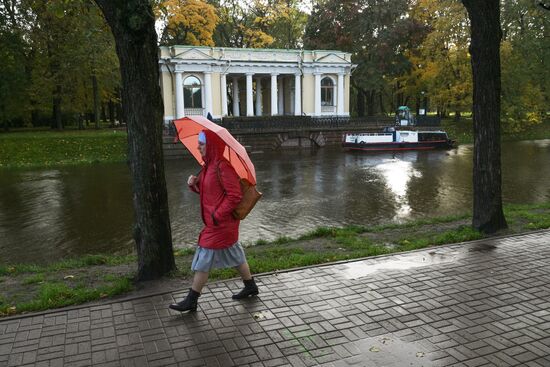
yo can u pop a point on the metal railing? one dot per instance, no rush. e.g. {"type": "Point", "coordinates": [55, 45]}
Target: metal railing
{"type": "Point", "coordinates": [287, 123]}
{"type": "Point", "coordinates": [194, 111]}
{"type": "Point", "coordinates": [258, 124]}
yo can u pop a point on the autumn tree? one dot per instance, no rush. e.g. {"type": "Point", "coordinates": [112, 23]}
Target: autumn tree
{"type": "Point", "coordinates": [377, 34]}
{"type": "Point", "coordinates": [238, 25]}
{"type": "Point", "coordinates": [187, 22]}
{"type": "Point", "coordinates": [259, 23]}
{"type": "Point", "coordinates": [133, 25]}
{"type": "Point", "coordinates": [283, 21]}
{"type": "Point", "coordinates": [486, 35]}
{"type": "Point", "coordinates": [441, 65]}
{"type": "Point", "coordinates": [524, 56]}
{"type": "Point", "coordinates": [14, 73]}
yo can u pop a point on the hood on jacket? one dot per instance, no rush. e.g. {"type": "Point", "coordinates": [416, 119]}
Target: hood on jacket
{"type": "Point", "coordinates": [215, 147]}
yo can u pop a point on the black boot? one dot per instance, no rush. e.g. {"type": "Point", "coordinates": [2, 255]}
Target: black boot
{"type": "Point", "coordinates": [189, 303]}
{"type": "Point", "coordinates": [250, 289]}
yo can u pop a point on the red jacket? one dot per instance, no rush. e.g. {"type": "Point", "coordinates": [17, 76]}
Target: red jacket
{"type": "Point", "coordinates": [219, 195]}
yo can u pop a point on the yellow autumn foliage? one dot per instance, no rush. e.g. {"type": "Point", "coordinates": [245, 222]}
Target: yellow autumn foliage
{"type": "Point", "coordinates": [188, 22]}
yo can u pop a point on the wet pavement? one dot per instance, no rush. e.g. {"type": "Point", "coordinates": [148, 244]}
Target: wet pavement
{"type": "Point", "coordinates": [483, 303]}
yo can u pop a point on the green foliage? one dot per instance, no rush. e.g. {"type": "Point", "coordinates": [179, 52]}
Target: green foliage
{"type": "Point", "coordinates": [259, 23]}
{"type": "Point", "coordinates": [442, 67]}
{"type": "Point", "coordinates": [524, 55]}
{"type": "Point", "coordinates": [379, 36]}
{"type": "Point", "coordinates": [50, 50]}
{"type": "Point", "coordinates": [13, 78]}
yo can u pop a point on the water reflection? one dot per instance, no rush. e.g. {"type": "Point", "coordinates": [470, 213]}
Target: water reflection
{"type": "Point", "coordinates": [48, 214]}
{"type": "Point", "coordinates": [359, 269]}
{"type": "Point", "coordinates": [398, 175]}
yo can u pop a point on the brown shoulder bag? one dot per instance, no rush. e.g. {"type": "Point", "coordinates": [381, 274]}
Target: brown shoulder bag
{"type": "Point", "coordinates": [249, 199]}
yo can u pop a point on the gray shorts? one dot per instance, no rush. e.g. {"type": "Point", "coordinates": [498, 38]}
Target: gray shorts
{"type": "Point", "coordinates": [206, 259]}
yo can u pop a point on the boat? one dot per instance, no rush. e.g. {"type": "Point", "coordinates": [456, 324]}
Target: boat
{"type": "Point", "coordinates": [392, 139]}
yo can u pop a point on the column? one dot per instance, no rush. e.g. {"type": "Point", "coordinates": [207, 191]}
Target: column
{"type": "Point", "coordinates": [258, 96]}
{"type": "Point", "coordinates": [180, 109]}
{"type": "Point", "coordinates": [207, 93]}
{"type": "Point", "coordinates": [274, 94]}
{"type": "Point", "coordinates": [340, 101]}
{"type": "Point", "coordinates": [297, 94]}
{"type": "Point", "coordinates": [235, 96]}
{"type": "Point", "coordinates": [249, 98]}
{"type": "Point", "coordinates": [292, 100]}
{"type": "Point", "coordinates": [223, 88]}
{"type": "Point", "coordinates": [317, 94]}
{"type": "Point", "coordinates": [281, 96]}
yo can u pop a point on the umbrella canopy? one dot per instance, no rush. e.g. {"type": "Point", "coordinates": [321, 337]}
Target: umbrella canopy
{"type": "Point", "coordinates": [188, 129]}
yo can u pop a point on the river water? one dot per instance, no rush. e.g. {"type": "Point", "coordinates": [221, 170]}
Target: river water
{"type": "Point", "coordinates": [53, 213]}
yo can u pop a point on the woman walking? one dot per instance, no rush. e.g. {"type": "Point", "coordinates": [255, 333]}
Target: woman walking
{"type": "Point", "coordinates": [218, 246]}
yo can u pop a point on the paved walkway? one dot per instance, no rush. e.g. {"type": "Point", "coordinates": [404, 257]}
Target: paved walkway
{"type": "Point", "coordinates": [484, 303]}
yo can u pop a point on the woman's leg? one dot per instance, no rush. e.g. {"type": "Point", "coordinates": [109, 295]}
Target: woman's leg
{"type": "Point", "coordinates": [189, 303]}
{"type": "Point", "coordinates": [250, 287]}
{"type": "Point", "coordinates": [199, 280]}
{"type": "Point", "coordinates": [244, 271]}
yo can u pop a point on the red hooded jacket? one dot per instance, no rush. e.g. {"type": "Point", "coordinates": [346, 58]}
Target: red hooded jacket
{"type": "Point", "coordinates": [219, 195]}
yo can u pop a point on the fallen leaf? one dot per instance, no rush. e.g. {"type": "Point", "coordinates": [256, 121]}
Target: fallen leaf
{"type": "Point", "coordinates": [374, 349]}
{"type": "Point", "coordinates": [419, 354]}
{"type": "Point", "coordinates": [68, 277]}
{"type": "Point", "coordinates": [103, 295]}
{"type": "Point", "coordinates": [258, 316]}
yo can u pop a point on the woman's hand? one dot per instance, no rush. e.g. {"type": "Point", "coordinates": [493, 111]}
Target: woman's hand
{"type": "Point", "coordinates": [192, 180]}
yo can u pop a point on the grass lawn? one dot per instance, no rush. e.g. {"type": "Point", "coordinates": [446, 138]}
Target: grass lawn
{"type": "Point", "coordinates": [462, 131]}
{"type": "Point", "coordinates": [49, 148]}
{"type": "Point", "coordinates": [44, 148]}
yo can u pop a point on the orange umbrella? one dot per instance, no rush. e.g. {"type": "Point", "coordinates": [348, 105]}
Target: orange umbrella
{"type": "Point", "coordinates": [188, 129]}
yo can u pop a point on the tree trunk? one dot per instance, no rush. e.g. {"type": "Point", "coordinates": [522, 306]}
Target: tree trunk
{"type": "Point", "coordinates": [111, 108]}
{"type": "Point", "coordinates": [57, 122]}
{"type": "Point", "coordinates": [360, 103]}
{"type": "Point", "coordinates": [484, 17]}
{"type": "Point", "coordinates": [133, 26]}
{"type": "Point", "coordinates": [381, 101]}
{"type": "Point", "coordinates": [95, 89]}
{"type": "Point", "coordinates": [80, 122]}
{"type": "Point", "coordinates": [370, 102]}
{"type": "Point", "coordinates": [4, 117]}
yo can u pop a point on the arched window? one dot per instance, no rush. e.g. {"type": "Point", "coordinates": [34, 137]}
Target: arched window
{"type": "Point", "coordinates": [192, 92]}
{"type": "Point", "coordinates": [327, 92]}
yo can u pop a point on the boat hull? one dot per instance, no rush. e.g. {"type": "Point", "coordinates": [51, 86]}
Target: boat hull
{"type": "Point", "coordinates": [374, 147]}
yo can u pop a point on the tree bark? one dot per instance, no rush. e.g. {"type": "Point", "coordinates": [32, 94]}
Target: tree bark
{"type": "Point", "coordinates": [360, 103]}
{"type": "Point", "coordinates": [371, 94]}
{"type": "Point", "coordinates": [95, 89]}
{"type": "Point", "coordinates": [57, 122]}
{"type": "Point", "coordinates": [486, 34]}
{"type": "Point", "coordinates": [133, 25]}
{"type": "Point", "coordinates": [111, 108]}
